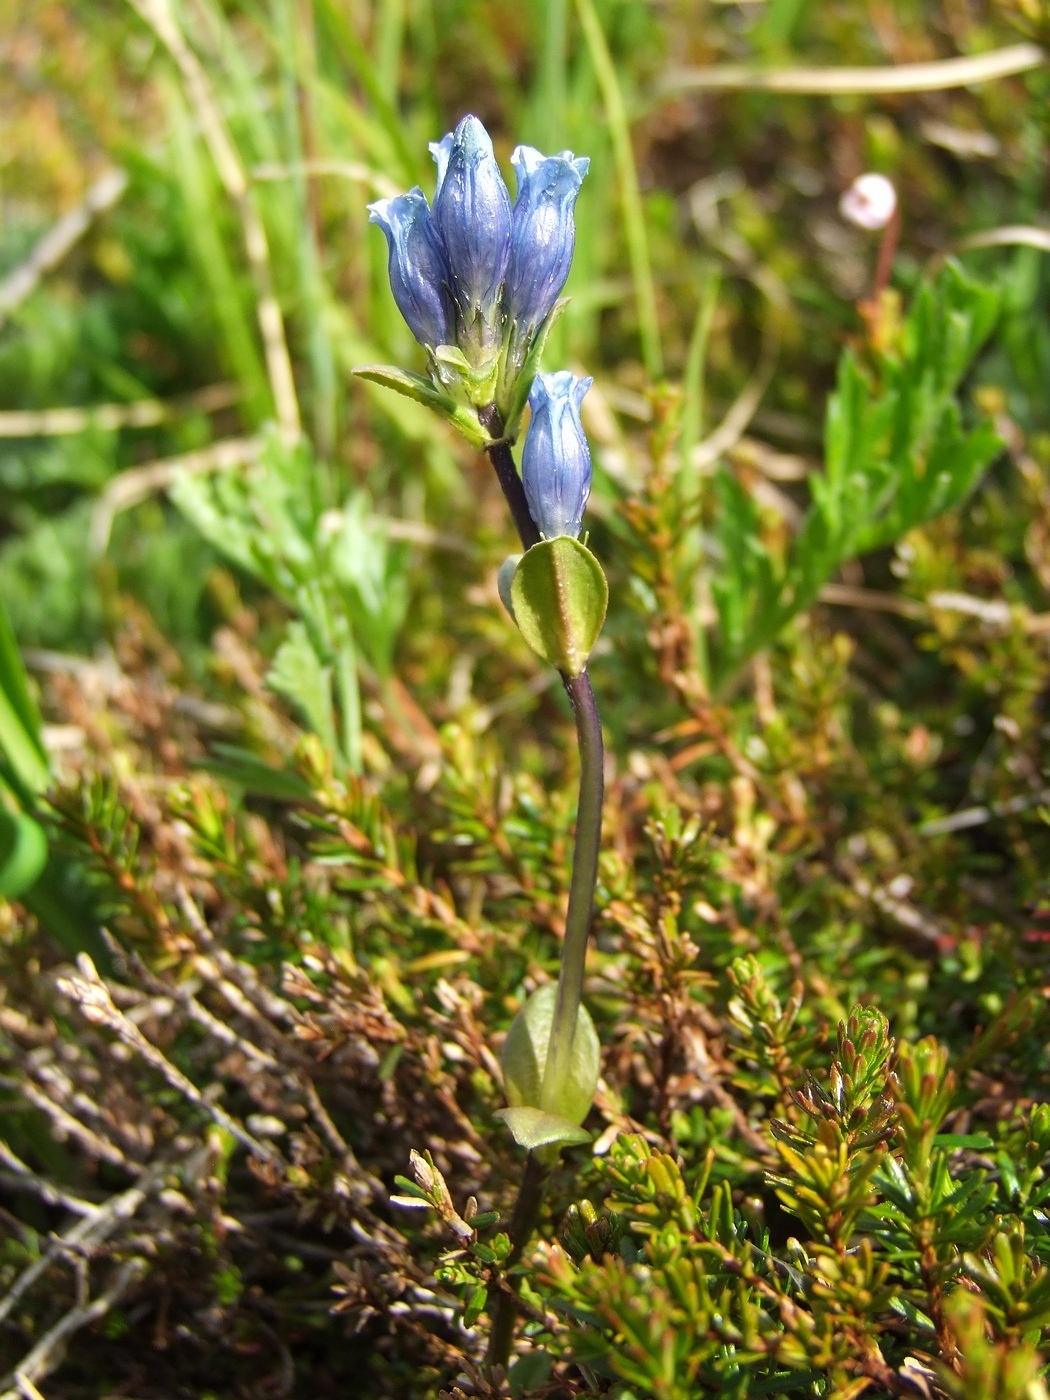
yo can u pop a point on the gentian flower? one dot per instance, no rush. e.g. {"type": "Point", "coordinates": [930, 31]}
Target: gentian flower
{"type": "Point", "coordinates": [556, 461]}
{"type": "Point", "coordinates": [419, 273]}
{"type": "Point", "coordinates": [542, 234]}
{"type": "Point", "coordinates": [476, 279]}
{"type": "Point", "coordinates": [472, 215]}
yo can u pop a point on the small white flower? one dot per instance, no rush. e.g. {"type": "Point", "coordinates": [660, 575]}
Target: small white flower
{"type": "Point", "coordinates": [870, 202]}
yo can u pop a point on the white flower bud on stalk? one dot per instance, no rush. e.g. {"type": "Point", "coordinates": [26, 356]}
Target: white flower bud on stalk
{"type": "Point", "coordinates": [870, 202]}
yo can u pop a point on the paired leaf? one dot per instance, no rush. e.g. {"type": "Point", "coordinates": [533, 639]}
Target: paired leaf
{"type": "Point", "coordinates": [525, 1059]}
{"type": "Point", "coordinates": [532, 1128]}
{"type": "Point", "coordinates": [558, 598]}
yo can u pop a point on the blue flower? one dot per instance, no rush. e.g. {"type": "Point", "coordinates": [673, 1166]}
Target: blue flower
{"type": "Point", "coordinates": [472, 215]}
{"type": "Point", "coordinates": [543, 233]}
{"type": "Point", "coordinates": [556, 461]}
{"type": "Point", "coordinates": [477, 279]}
{"type": "Point", "coordinates": [419, 273]}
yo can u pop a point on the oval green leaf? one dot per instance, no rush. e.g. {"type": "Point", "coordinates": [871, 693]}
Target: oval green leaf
{"type": "Point", "coordinates": [559, 596]}
{"type": "Point", "coordinates": [525, 1059]}
{"type": "Point", "coordinates": [532, 1128]}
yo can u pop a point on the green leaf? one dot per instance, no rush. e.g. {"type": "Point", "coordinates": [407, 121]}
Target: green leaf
{"type": "Point", "coordinates": [530, 1372]}
{"type": "Point", "coordinates": [247, 770]}
{"type": "Point", "coordinates": [476, 1305]}
{"type": "Point", "coordinates": [505, 579]}
{"type": "Point", "coordinates": [532, 1128]}
{"type": "Point", "coordinates": [559, 596]}
{"type": "Point", "coordinates": [897, 454]}
{"type": "Point", "coordinates": [977, 1142]}
{"type": "Point", "coordinates": [525, 1058]}
{"type": "Point", "coordinates": [23, 758]}
{"type": "Point", "coordinates": [298, 674]}
{"type": "Point", "coordinates": [23, 852]}
{"type": "Point", "coordinates": [414, 386]}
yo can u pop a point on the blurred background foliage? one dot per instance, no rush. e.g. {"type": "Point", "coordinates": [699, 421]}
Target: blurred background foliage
{"type": "Point", "coordinates": [849, 788]}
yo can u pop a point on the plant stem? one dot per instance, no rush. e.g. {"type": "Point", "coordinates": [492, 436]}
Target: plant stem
{"type": "Point", "coordinates": [581, 887]}
{"type": "Point", "coordinates": [538, 1165]}
{"type": "Point", "coordinates": [526, 1210]}
{"type": "Point", "coordinates": [502, 459]}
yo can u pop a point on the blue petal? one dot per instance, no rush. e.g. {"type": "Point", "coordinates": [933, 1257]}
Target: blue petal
{"type": "Point", "coordinates": [556, 460]}
{"type": "Point", "coordinates": [419, 273]}
{"type": "Point", "coordinates": [543, 233]}
{"type": "Point", "coordinates": [472, 213]}
{"type": "Point", "coordinates": [440, 150]}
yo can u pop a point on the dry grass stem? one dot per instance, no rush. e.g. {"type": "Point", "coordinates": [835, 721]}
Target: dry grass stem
{"type": "Point", "coordinates": [902, 77]}
{"type": "Point", "coordinates": [159, 16]}
{"type": "Point", "coordinates": [102, 195]}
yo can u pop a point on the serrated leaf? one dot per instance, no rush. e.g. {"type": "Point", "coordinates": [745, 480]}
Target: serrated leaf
{"type": "Point", "coordinates": [298, 674]}
{"type": "Point", "coordinates": [559, 595]}
{"type": "Point", "coordinates": [532, 1128]}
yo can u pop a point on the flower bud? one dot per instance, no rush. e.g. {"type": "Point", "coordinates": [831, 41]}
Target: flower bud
{"type": "Point", "coordinates": [472, 214]}
{"type": "Point", "coordinates": [556, 461]}
{"type": "Point", "coordinates": [418, 270]}
{"type": "Point", "coordinates": [870, 202]}
{"type": "Point", "coordinates": [542, 234]}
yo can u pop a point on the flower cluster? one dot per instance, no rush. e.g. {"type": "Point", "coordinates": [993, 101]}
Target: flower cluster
{"type": "Point", "coordinates": [477, 278]}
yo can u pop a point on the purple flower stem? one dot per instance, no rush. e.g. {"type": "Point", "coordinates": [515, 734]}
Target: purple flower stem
{"type": "Point", "coordinates": [502, 459]}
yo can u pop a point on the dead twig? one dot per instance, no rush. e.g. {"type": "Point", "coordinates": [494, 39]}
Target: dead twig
{"type": "Point", "coordinates": [86, 1233]}
{"type": "Point", "coordinates": [59, 240]}
{"type": "Point", "coordinates": [901, 77]}
{"type": "Point", "coordinates": [91, 994]}
{"type": "Point", "coordinates": [48, 1352]}
{"type": "Point", "coordinates": [145, 413]}
{"type": "Point", "coordinates": [137, 484]}
{"type": "Point", "coordinates": [22, 1178]}
{"type": "Point", "coordinates": [65, 1125]}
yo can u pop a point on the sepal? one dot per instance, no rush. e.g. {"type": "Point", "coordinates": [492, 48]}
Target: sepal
{"type": "Point", "coordinates": [518, 381]}
{"type": "Point", "coordinates": [414, 386]}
